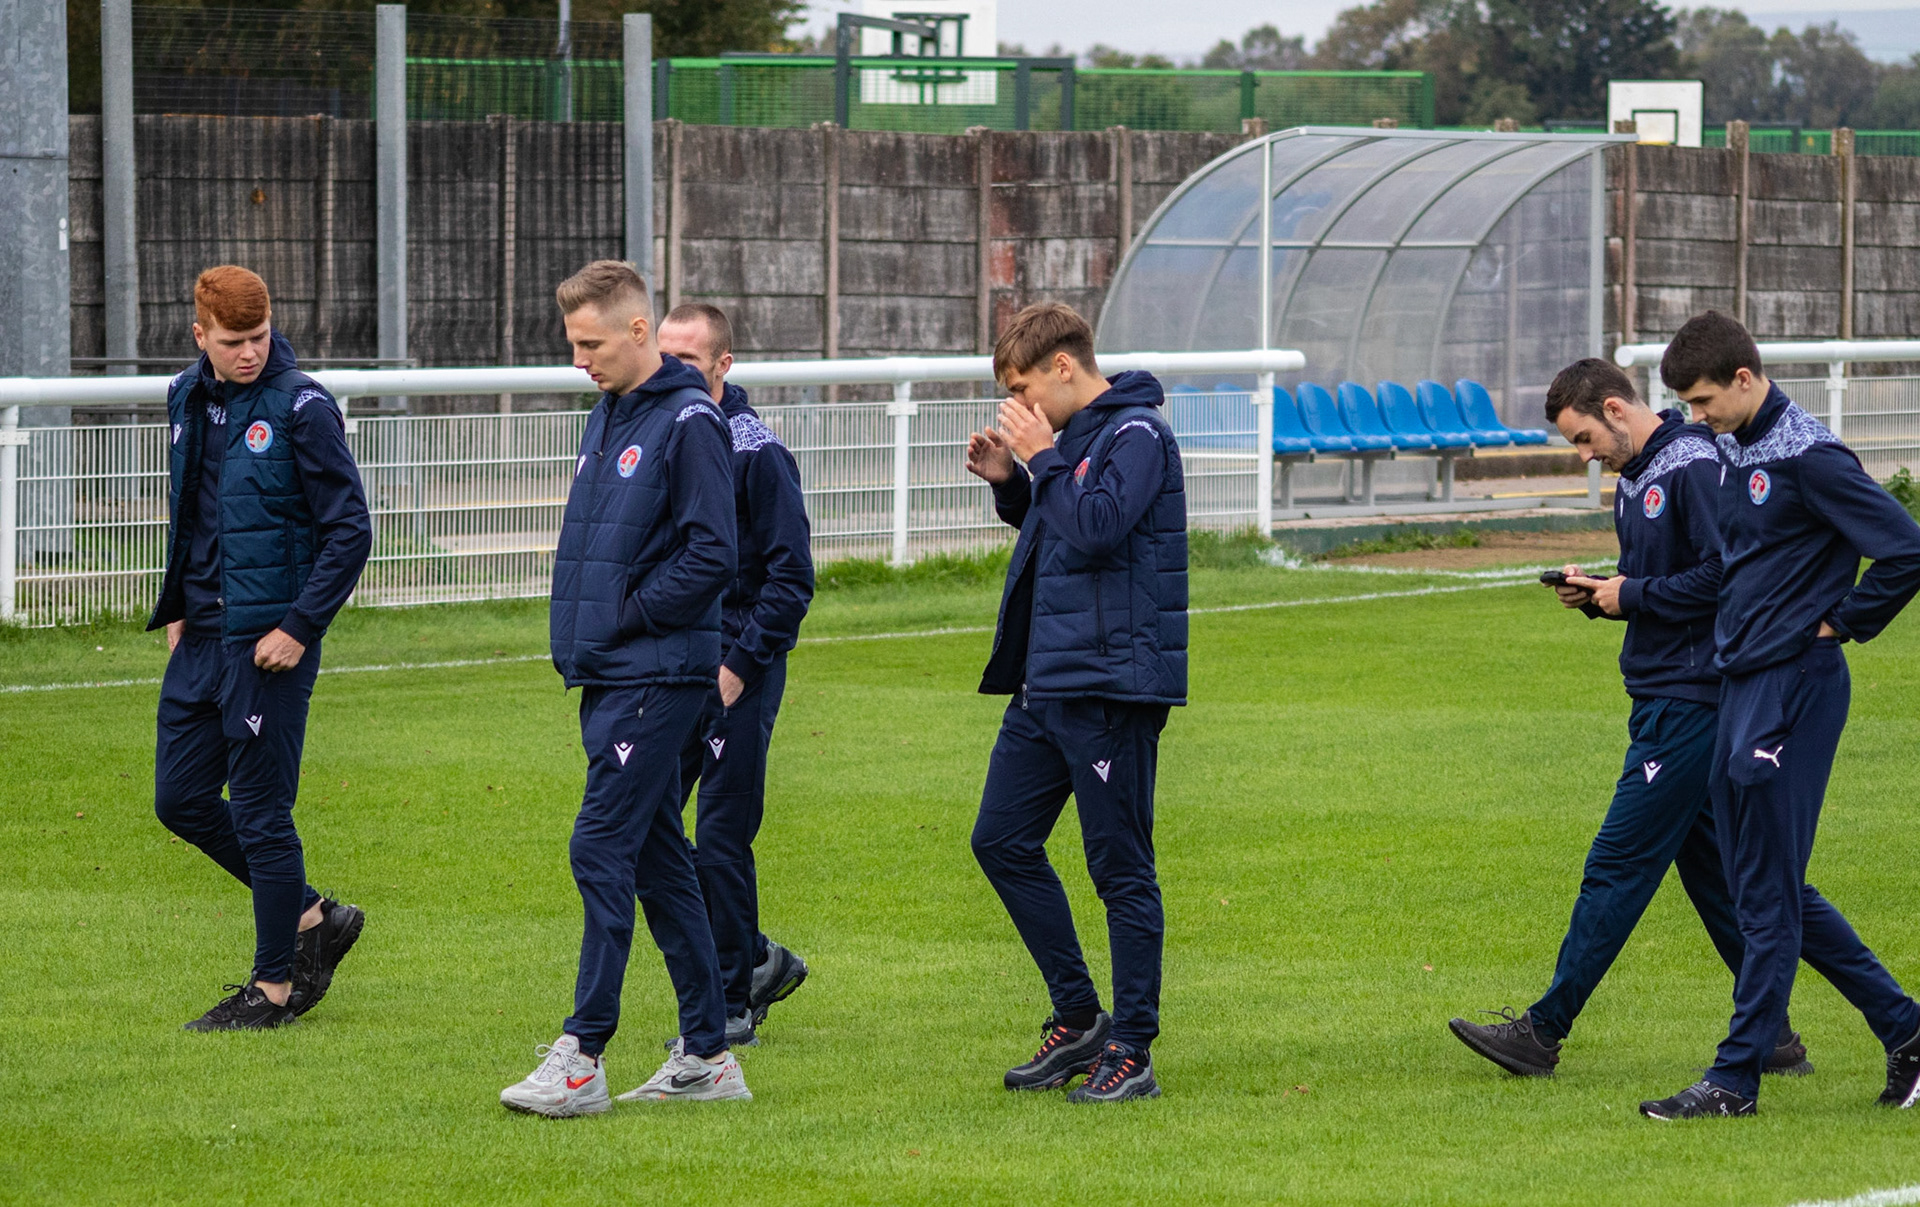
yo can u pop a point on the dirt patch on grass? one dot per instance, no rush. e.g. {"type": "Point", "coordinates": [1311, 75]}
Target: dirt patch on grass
{"type": "Point", "coordinates": [1586, 549]}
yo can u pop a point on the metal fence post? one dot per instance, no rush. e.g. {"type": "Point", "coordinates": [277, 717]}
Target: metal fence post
{"type": "Point", "coordinates": [11, 438]}
{"type": "Point", "coordinates": [390, 173]}
{"type": "Point", "coordinates": [1837, 397]}
{"type": "Point", "coordinates": [122, 267]}
{"type": "Point", "coordinates": [637, 67]}
{"type": "Point", "coordinates": [902, 409]}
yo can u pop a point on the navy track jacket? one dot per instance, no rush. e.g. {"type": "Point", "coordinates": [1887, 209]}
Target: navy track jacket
{"type": "Point", "coordinates": [1797, 513]}
{"type": "Point", "coordinates": [761, 612]}
{"type": "Point", "coordinates": [1664, 512]}
{"type": "Point", "coordinates": [284, 542]}
{"type": "Point", "coordinates": [1096, 597]}
{"type": "Point", "coordinates": [647, 541]}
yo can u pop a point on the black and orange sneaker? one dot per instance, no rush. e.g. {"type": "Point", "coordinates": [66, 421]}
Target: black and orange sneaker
{"type": "Point", "coordinates": [1120, 1074]}
{"type": "Point", "coordinates": [1064, 1055]}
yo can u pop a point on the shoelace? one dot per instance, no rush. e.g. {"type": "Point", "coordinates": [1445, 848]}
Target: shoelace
{"type": "Point", "coordinates": [1110, 1070]}
{"type": "Point", "coordinates": [1510, 1019]}
{"type": "Point", "coordinates": [1056, 1035]}
{"type": "Point", "coordinates": [553, 1063]}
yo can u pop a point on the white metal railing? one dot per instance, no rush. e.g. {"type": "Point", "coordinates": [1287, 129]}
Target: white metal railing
{"type": "Point", "coordinates": [1878, 417]}
{"type": "Point", "coordinates": [469, 506]}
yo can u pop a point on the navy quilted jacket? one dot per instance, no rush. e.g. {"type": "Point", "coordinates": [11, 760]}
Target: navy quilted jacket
{"type": "Point", "coordinates": [1096, 598]}
{"type": "Point", "coordinates": [647, 543]}
{"type": "Point", "coordinates": [767, 600]}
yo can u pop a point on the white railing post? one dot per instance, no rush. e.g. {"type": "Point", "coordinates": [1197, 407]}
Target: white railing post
{"type": "Point", "coordinates": [1263, 439]}
{"type": "Point", "coordinates": [1836, 397]}
{"type": "Point", "coordinates": [902, 409]}
{"type": "Point", "coordinates": [11, 438]}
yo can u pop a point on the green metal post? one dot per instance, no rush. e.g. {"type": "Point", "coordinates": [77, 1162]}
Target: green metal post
{"type": "Point", "coordinates": [1248, 82]}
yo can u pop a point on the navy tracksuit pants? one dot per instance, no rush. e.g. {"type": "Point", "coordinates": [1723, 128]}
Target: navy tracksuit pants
{"type": "Point", "coordinates": [727, 753]}
{"type": "Point", "coordinates": [224, 722]}
{"type": "Point", "coordinates": [1661, 816]}
{"type": "Point", "coordinates": [1779, 728]}
{"type": "Point", "coordinates": [627, 843]}
{"type": "Point", "coordinates": [1104, 755]}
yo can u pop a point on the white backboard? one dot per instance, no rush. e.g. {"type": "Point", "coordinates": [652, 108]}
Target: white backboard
{"type": "Point", "coordinates": [1667, 112]}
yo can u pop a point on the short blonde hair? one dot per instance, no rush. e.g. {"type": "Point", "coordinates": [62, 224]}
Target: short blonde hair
{"type": "Point", "coordinates": [605, 284]}
{"type": "Point", "coordinates": [232, 297]}
{"type": "Point", "coordinates": [1038, 332]}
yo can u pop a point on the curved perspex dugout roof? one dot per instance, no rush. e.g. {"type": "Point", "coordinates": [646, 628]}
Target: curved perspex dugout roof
{"type": "Point", "coordinates": [1396, 255]}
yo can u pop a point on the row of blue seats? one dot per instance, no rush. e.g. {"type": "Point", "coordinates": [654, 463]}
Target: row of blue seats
{"type": "Point", "coordinates": [1427, 417]}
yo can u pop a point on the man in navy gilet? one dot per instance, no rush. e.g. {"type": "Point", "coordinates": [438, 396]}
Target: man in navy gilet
{"type": "Point", "coordinates": [1797, 512]}
{"type": "Point", "coordinates": [267, 536]}
{"type": "Point", "coordinates": [1666, 590]}
{"type": "Point", "coordinates": [1092, 646]}
{"type": "Point", "coordinates": [646, 548]}
{"type": "Point", "coordinates": [760, 617]}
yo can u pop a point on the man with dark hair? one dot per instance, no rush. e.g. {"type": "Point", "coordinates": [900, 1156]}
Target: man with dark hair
{"type": "Point", "coordinates": [268, 533]}
{"type": "Point", "coordinates": [1797, 512]}
{"type": "Point", "coordinates": [1661, 816]}
{"type": "Point", "coordinates": [646, 547]}
{"type": "Point", "coordinates": [1092, 646]}
{"type": "Point", "coordinates": [760, 621]}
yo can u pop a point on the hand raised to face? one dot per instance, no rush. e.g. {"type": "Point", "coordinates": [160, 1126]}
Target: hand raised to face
{"type": "Point", "coordinates": [1026, 430]}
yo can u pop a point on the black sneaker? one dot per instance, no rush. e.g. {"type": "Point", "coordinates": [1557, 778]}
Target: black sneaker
{"type": "Point", "coordinates": [1701, 1100]}
{"type": "Point", "coordinates": [1789, 1057]}
{"type": "Point", "coordinates": [1903, 1075]}
{"type": "Point", "coordinates": [249, 1009]}
{"type": "Point", "coordinates": [1064, 1055]}
{"type": "Point", "coordinates": [1119, 1074]}
{"type": "Point", "coordinates": [318, 950]}
{"type": "Point", "coordinates": [774, 980]}
{"type": "Point", "coordinates": [1512, 1043]}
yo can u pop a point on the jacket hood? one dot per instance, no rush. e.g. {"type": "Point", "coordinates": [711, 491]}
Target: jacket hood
{"type": "Point", "coordinates": [1134, 388]}
{"type": "Point", "coordinates": [280, 359]}
{"type": "Point", "coordinates": [1673, 425]}
{"type": "Point", "coordinates": [733, 401]}
{"type": "Point", "coordinates": [673, 374]}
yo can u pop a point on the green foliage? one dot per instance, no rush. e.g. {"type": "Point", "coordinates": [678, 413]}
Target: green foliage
{"type": "Point", "coordinates": [1405, 538]}
{"type": "Point", "coordinates": [947, 569]}
{"type": "Point", "coordinates": [1906, 490]}
{"type": "Point", "coordinates": [1209, 550]}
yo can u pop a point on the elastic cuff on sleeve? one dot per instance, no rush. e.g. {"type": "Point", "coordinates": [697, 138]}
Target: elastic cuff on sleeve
{"type": "Point", "coordinates": [300, 628]}
{"type": "Point", "coordinates": [1043, 459]}
{"type": "Point", "coordinates": [742, 664]}
{"type": "Point", "coordinates": [1630, 592]}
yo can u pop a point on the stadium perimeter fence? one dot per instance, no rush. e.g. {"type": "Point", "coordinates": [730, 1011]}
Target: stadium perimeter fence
{"type": "Point", "coordinates": [468, 507]}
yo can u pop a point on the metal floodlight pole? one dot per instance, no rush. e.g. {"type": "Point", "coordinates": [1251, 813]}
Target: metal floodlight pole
{"type": "Point", "coordinates": [637, 69]}
{"type": "Point", "coordinates": [843, 34]}
{"type": "Point", "coordinates": [390, 173]}
{"type": "Point", "coordinates": [122, 261]}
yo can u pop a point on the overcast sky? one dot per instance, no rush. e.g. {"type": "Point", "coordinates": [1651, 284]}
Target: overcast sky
{"type": "Point", "coordinates": [1888, 29]}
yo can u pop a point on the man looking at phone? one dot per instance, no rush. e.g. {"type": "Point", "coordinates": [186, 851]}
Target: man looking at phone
{"type": "Point", "coordinates": [1666, 592]}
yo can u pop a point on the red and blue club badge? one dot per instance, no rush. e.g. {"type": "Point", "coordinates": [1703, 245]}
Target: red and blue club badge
{"type": "Point", "coordinates": [1080, 470]}
{"type": "Point", "coordinates": [1655, 502]}
{"type": "Point", "coordinates": [629, 461]}
{"type": "Point", "coordinates": [1759, 486]}
{"type": "Point", "coordinates": [259, 436]}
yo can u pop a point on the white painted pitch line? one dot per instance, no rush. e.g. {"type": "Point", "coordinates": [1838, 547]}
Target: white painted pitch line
{"type": "Point", "coordinates": [16, 688]}
{"type": "Point", "coordinates": [1896, 1197]}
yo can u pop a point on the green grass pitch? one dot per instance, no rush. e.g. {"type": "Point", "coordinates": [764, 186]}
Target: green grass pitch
{"type": "Point", "coordinates": [1372, 817]}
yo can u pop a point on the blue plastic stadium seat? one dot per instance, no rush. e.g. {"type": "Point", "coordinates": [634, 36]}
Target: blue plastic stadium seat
{"type": "Point", "coordinates": [1478, 408]}
{"type": "Point", "coordinates": [1402, 414]}
{"type": "Point", "coordinates": [1362, 414]}
{"type": "Point", "coordinates": [1322, 417]}
{"type": "Point", "coordinates": [1290, 436]}
{"type": "Point", "coordinates": [1440, 411]}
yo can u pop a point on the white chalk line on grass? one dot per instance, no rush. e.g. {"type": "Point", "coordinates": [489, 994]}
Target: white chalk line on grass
{"type": "Point", "coordinates": [18, 688]}
{"type": "Point", "coordinates": [1895, 1197]}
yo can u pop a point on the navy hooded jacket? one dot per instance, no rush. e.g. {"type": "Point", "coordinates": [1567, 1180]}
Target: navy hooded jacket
{"type": "Point", "coordinates": [647, 541]}
{"type": "Point", "coordinates": [280, 539]}
{"type": "Point", "coordinates": [1797, 513]}
{"type": "Point", "coordinates": [1096, 598]}
{"type": "Point", "coordinates": [761, 612]}
{"type": "Point", "coordinates": [1664, 513]}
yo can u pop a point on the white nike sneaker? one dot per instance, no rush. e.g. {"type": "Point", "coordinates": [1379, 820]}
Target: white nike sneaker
{"type": "Point", "coordinates": [689, 1078]}
{"type": "Point", "coordinates": [567, 1083]}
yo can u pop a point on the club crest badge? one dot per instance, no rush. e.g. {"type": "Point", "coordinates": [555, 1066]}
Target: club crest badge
{"type": "Point", "coordinates": [259, 436]}
{"type": "Point", "coordinates": [629, 461]}
{"type": "Point", "coordinates": [1080, 470]}
{"type": "Point", "coordinates": [1759, 486]}
{"type": "Point", "coordinates": [1655, 502]}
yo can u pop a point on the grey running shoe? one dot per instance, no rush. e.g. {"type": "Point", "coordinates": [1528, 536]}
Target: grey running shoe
{"type": "Point", "coordinates": [687, 1078]}
{"type": "Point", "coordinates": [1789, 1056]}
{"type": "Point", "coordinates": [1510, 1043]}
{"type": "Point", "coordinates": [1063, 1055]}
{"type": "Point", "coordinates": [1903, 1075]}
{"type": "Point", "coordinates": [567, 1083]}
{"type": "Point", "coordinates": [774, 980]}
{"type": "Point", "coordinates": [1120, 1074]}
{"type": "Point", "coordinates": [1701, 1100]}
{"type": "Point", "coordinates": [248, 1009]}
{"type": "Point", "coordinates": [740, 1030]}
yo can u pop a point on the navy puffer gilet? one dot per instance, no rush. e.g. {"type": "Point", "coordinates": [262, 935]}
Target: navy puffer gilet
{"type": "Point", "coordinates": [267, 534]}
